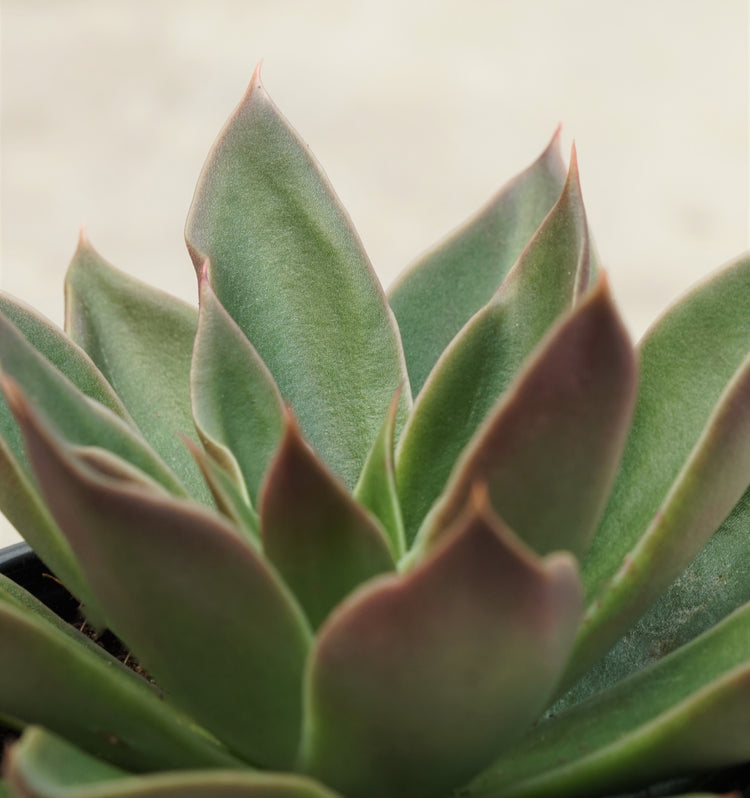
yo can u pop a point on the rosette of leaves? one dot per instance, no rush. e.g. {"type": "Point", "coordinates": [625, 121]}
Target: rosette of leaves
{"type": "Point", "coordinates": [460, 539]}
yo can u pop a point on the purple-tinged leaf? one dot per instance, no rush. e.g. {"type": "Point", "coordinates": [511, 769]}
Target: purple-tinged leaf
{"type": "Point", "coordinates": [436, 296]}
{"type": "Point", "coordinates": [483, 359]}
{"type": "Point", "coordinates": [549, 451]}
{"type": "Point", "coordinates": [419, 680]}
{"type": "Point", "coordinates": [142, 340]}
{"type": "Point", "coordinates": [237, 408]}
{"type": "Point", "coordinates": [376, 489]}
{"type": "Point", "coordinates": [288, 266]}
{"type": "Point", "coordinates": [182, 589]}
{"type": "Point", "coordinates": [321, 541]}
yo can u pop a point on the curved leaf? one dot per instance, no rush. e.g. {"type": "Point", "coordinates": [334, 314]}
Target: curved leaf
{"type": "Point", "coordinates": [55, 676]}
{"type": "Point", "coordinates": [163, 568]}
{"type": "Point", "coordinates": [376, 489]}
{"type": "Point", "coordinates": [549, 452]}
{"type": "Point", "coordinates": [142, 340]}
{"type": "Point", "coordinates": [435, 297]}
{"type": "Point", "coordinates": [322, 542]}
{"type": "Point", "coordinates": [686, 714]}
{"type": "Point", "coordinates": [418, 680]}
{"type": "Point", "coordinates": [41, 765]}
{"type": "Point", "coordinates": [288, 266]}
{"type": "Point", "coordinates": [237, 408]}
{"type": "Point", "coordinates": [483, 359]}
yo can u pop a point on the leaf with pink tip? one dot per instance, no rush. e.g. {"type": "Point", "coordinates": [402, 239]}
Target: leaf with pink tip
{"type": "Point", "coordinates": [288, 266]}
{"type": "Point", "coordinates": [483, 359]}
{"type": "Point", "coordinates": [142, 340]}
{"type": "Point", "coordinates": [42, 765]}
{"type": "Point", "coordinates": [420, 680]}
{"type": "Point", "coordinates": [237, 407]}
{"type": "Point", "coordinates": [436, 296]}
{"type": "Point", "coordinates": [181, 587]}
{"type": "Point", "coordinates": [549, 452]}
{"type": "Point", "coordinates": [321, 541]}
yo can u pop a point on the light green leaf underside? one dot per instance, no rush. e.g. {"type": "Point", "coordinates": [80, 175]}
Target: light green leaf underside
{"type": "Point", "coordinates": [42, 765]}
{"type": "Point", "coordinates": [483, 359]}
{"type": "Point", "coordinates": [376, 489]}
{"type": "Point", "coordinates": [288, 266]}
{"type": "Point", "coordinates": [55, 676]}
{"type": "Point", "coordinates": [437, 295]}
{"type": "Point", "coordinates": [685, 714]}
{"type": "Point", "coordinates": [142, 340]}
{"type": "Point", "coordinates": [237, 408]}
{"type": "Point", "coordinates": [412, 688]}
{"type": "Point", "coordinates": [549, 452]}
{"type": "Point", "coordinates": [150, 556]}
{"type": "Point", "coordinates": [321, 541]}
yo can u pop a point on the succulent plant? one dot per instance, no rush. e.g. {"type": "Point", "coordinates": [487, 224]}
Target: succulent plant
{"type": "Point", "coordinates": [461, 540]}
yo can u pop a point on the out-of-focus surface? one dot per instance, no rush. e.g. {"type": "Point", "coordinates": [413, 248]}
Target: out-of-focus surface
{"type": "Point", "coordinates": [418, 111]}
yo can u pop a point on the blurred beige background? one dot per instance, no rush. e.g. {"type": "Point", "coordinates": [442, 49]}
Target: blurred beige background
{"type": "Point", "coordinates": [419, 112]}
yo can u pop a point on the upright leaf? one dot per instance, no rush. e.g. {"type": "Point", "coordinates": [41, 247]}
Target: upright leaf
{"type": "Point", "coordinates": [142, 340]}
{"type": "Point", "coordinates": [483, 359]}
{"type": "Point", "coordinates": [436, 296]}
{"type": "Point", "coordinates": [322, 542]}
{"type": "Point", "coordinates": [288, 266]}
{"type": "Point", "coordinates": [412, 688]}
{"type": "Point", "coordinates": [164, 568]}
{"type": "Point", "coordinates": [550, 450]}
{"type": "Point", "coordinates": [237, 408]}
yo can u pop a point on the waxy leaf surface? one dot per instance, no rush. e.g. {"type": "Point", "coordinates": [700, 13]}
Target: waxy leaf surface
{"type": "Point", "coordinates": [55, 676]}
{"type": "Point", "coordinates": [321, 541]}
{"type": "Point", "coordinates": [686, 714]}
{"type": "Point", "coordinates": [44, 766]}
{"type": "Point", "coordinates": [412, 687]}
{"type": "Point", "coordinates": [237, 407]}
{"type": "Point", "coordinates": [436, 296]}
{"type": "Point", "coordinates": [549, 452]}
{"type": "Point", "coordinates": [483, 359]}
{"type": "Point", "coordinates": [163, 568]}
{"type": "Point", "coordinates": [288, 266]}
{"type": "Point", "coordinates": [142, 340]}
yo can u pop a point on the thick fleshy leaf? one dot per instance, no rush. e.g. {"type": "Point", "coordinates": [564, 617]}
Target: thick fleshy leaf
{"type": "Point", "coordinates": [419, 680]}
{"type": "Point", "coordinates": [685, 464]}
{"type": "Point", "coordinates": [321, 541]}
{"type": "Point", "coordinates": [376, 489]}
{"type": "Point", "coordinates": [55, 676]}
{"type": "Point", "coordinates": [288, 266]}
{"type": "Point", "coordinates": [181, 587]}
{"type": "Point", "coordinates": [549, 452]}
{"type": "Point", "coordinates": [237, 407]}
{"type": "Point", "coordinates": [142, 340]}
{"type": "Point", "coordinates": [436, 296]}
{"type": "Point", "coordinates": [482, 360]}
{"type": "Point", "coordinates": [686, 714]}
{"type": "Point", "coordinates": [42, 765]}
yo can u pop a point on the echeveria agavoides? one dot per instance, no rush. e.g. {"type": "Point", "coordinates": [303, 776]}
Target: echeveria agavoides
{"type": "Point", "coordinates": [457, 539]}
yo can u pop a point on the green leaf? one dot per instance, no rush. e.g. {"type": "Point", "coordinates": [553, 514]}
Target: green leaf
{"type": "Point", "coordinates": [549, 452]}
{"type": "Point", "coordinates": [376, 489]}
{"type": "Point", "coordinates": [685, 464]}
{"type": "Point", "coordinates": [288, 266]}
{"type": "Point", "coordinates": [483, 359]}
{"type": "Point", "coordinates": [321, 541]}
{"type": "Point", "coordinates": [55, 676]}
{"type": "Point", "coordinates": [436, 296]}
{"type": "Point", "coordinates": [142, 340]}
{"type": "Point", "coordinates": [238, 411]}
{"type": "Point", "coordinates": [686, 714]}
{"type": "Point", "coordinates": [182, 588]}
{"type": "Point", "coordinates": [418, 680]}
{"type": "Point", "coordinates": [44, 766]}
